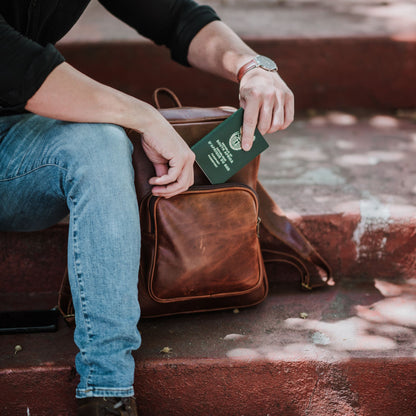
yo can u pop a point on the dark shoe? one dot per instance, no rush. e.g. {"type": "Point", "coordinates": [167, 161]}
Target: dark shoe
{"type": "Point", "coordinates": [107, 406]}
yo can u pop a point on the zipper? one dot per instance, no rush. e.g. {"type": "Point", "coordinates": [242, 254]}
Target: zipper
{"type": "Point", "coordinates": [151, 201]}
{"type": "Point", "coordinates": [150, 209]}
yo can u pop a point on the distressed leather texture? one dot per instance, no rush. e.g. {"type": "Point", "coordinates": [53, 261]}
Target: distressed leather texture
{"type": "Point", "coordinates": [201, 251]}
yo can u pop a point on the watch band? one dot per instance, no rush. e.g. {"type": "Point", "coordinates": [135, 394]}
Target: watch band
{"type": "Point", "coordinates": [252, 64]}
{"type": "Point", "coordinates": [245, 68]}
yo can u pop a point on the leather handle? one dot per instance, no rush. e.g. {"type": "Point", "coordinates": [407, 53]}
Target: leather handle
{"type": "Point", "coordinates": [168, 93]}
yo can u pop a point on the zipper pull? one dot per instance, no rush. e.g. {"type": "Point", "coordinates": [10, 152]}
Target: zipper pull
{"type": "Point", "coordinates": [258, 227]}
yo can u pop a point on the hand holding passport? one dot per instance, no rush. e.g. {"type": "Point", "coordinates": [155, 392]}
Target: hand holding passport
{"type": "Point", "coordinates": [219, 153]}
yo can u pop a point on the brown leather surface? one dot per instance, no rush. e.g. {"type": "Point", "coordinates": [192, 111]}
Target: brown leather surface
{"type": "Point", "coordinates": [205, 244]}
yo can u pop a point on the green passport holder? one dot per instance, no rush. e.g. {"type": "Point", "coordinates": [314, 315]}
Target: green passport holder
{"type": "Point", "coordinates": [219, 153]}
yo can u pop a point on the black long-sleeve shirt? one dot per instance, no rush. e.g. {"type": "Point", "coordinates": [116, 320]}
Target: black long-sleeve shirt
{"type": "Point", "coordinates": [30, 28]}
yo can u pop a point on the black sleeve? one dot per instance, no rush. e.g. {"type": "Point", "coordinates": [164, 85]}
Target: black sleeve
{"type": "Point", "coordinates": [24, 65]}
{"type": "Point", "coordinates": [172, 23]}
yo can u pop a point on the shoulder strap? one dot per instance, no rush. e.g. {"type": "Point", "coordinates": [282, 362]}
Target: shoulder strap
{"type": "Point", "coordinates": [281, 241]}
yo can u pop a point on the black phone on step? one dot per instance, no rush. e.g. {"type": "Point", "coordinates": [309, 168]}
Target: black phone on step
{"type": "Point", "coordinates": [15, 322]}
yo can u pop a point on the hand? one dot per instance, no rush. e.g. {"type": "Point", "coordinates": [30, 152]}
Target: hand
{"type": "Point", "coordinates": [268, 104]}
{"type": "Point", "coordinates": [171, 157]}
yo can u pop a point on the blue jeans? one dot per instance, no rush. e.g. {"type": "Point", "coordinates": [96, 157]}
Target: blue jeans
{"type": "Point", "coordinates": [50, 168]}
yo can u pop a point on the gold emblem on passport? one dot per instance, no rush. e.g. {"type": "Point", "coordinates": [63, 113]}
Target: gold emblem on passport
{"type": "Point", "coordinates": [219, 153]}
{"type": "Point", "coordinates": [235, 140]}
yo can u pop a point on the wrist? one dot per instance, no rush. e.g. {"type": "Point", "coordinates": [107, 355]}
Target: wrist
{"type": "Point", "coordinates": [256, 62]}
{"type": "Point", "coordinates": [239, 62]}
{"type": "Point", "coordinates": [136, 114]}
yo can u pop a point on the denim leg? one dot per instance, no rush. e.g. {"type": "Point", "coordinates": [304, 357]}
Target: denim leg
{"type": "Point", "coordinates": [48, 167]}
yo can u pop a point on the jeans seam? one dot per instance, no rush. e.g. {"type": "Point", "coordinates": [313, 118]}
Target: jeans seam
{"type": "Point", "coordinates": [78, 275]}
{"type": "Point", "coordinates": [34, 170]}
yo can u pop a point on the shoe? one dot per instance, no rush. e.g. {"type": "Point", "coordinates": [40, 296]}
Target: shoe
{"type": "Point", "coordinates": [107, 406]}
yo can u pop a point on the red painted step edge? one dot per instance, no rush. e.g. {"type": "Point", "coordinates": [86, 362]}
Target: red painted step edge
{"type": "Point", "coordinates": [226, 388]}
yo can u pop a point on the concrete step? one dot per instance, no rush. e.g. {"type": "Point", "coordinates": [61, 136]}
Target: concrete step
{"type": "Point", "coordinates": [337, 55]}
{"type": "Point", "coordinates": [347, 180]}
{"type": "Point", "coordinates": [346, 350]}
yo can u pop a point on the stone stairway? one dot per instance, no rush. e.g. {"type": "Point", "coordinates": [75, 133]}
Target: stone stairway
{"type": "Point", "coordinates": [343, 172]}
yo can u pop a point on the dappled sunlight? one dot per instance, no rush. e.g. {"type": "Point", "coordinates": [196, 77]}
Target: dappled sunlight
{"type": "Point", "coordinates": [311, 154]}
{"type": "Point", "coordinates": [291, 352]}
{"type": "Point", "coordinates": [341, 119]}
{"type": "Point", "coordinates": [402, 212]}
{"type": "Point", "coordinates": [352, 207]}
{"type": "Point", "coordinates": [385, 326]}
{"type": "Point", "coordinates": [388, 289]}
{"type": "Point", "coordinates": [345, 145]}
{"type": "Point", "coordinates": [326, 341]}
{"type": "Point", "coordinates": [302, 351]}
{"type": "Point", "coordinates": [397, 310]}
{"type": "Point", "coordinates": [336, 118]}
{"type": "Point", "coordinates": [244, 354]}
{"type": "Point", "coordinates": [370, 158]}
{"type": "Point", "coordinates": [351, 334]}
{"type": "Point", "coordinates": [318, 121]}
{"type": "Point", "coordinates": [233, 337]}
{"type": "Point", "coordinates": [384, 122]}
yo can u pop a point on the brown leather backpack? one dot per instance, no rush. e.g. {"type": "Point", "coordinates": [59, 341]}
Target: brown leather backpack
{"type": "Point", "coordinates": [206, 249]}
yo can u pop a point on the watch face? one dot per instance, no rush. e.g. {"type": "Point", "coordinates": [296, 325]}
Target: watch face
{"type": "Point", "coordinates": [266, 63]}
